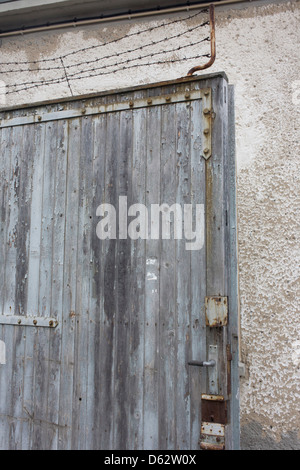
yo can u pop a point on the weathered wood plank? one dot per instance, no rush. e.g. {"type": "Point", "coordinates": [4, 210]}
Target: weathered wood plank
{"type": "Point", "coordinates": [167, 307]}
{"type": "Point", "coordinates": [55, 336]}
{"type": "Point", "coordinates": [33, 282]}
{"type": "Point", "coordinates": [69, 287]}
{"type": "Point", "coordinates": [197, 377]}
{"type": "Point", "coordinates": [39, 436]}
{"type": "Point", "coordinates": [95, 373]}
{"type": "Point", "coordinates": [25, 150]}
{"type": "Point", "coordinates": [7, 333]}
{"type": "Point", "coordinates": [152, 260]}
{"type": "Point", "coordinates": [22, 223]}
{"type": "Point", "coordinates": [183, 294]}
{"type": "Point", "coordinates": [108, 287]}
{"type": "Point", "coordinates": [137, 292]}
{"type": "Point", "coordinates": [123, 267]}
{"type": "Point", "coordinates": [81, 339]}
{"type": "Point", "coordinates": [217, 282]}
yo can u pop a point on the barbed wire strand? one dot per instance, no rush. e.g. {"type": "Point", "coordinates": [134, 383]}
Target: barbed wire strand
{"type": "Point", "coordinates": [99, 74]}
{"type": "Point", "coordinates": [105, 66]}
{"type": "Point", "coordinates": [117, 54]}
{"type": "Point", "coordinates": [126, 36]}
{"type": "Point", "coordinates": [99, 71]}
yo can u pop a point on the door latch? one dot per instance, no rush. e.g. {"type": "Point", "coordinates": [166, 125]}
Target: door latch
{"type": "Point", "coordinates": [212, 364]}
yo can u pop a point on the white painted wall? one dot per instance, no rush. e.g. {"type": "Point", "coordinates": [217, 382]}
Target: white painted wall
{"type": "Point", "coordinates": [258, 48]}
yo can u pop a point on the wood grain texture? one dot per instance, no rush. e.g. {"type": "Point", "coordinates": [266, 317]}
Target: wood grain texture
{"type": "Point", "coordinates": [114, 373]}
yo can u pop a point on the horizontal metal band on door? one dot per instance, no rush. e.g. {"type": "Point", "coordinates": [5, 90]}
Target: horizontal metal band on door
{"type": "Point", "coordinates": [107, 108]}
{"type": "Point", "coordinates": [19, 320]}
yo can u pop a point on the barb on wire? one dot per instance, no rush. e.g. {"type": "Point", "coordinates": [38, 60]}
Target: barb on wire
{"type": "Point", "coordinates": [75, 75]}
{"type": "Point", "coordinates": [100, 74]}
{"type": "Point", "coordinates": [96, 67]}
{"type": "Point", "coordinates": [109, 56]}
{"type": "Point", "coordinates": [84, 49]}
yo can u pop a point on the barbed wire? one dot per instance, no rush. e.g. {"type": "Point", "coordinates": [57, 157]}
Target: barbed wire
{"type": "Point", "coordinates": [95, 46]}
{"type": "Point", "coordinates": [109, 56]}
{"type": "Point", "coordinates": [66, 77]}
{"type": "Point", "coordinates": [106, 68]}
{"type": "Point", "coordinates": [161, 62]}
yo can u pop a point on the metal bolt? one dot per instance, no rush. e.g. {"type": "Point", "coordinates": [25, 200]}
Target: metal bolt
{"type": "Point", "coordinates": [149, 101]}
{"type": "Point", "coordinates": [39, 118]}
{"type": "Point", "coordinates": [35, 322]}
{"type": "Point", "coordinates": [206, 111]}
{"type": "Point", "coordinates": [206, 93]}
{"type": "Point", "coordinates": [206, 151]}
{"type": "Point", "coordinates": [19, 321]}
{"type": "Point", "coordinates": [131, 103]}
{"type": "Point", "coordinates": [50, 323]}
{"type": "Point", "coordinates": [206, 131]}
{"type": "Point", "coordinates": [168, 98]}
{"type": "Point", "coordinates": [83, 111]}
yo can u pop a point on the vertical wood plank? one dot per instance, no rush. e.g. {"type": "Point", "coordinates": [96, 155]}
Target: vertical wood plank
{"type": "Point", "coordinates": [109, 289]}
{"type": "Point", "coordinates": [83, 285]}
{"type": "Point", "coordinates": [183, 267]}
{"type": "Point", "coordinates": [217, 282]}
{"type": "Point", "coordinates": [151, 335]}
{"type": "Point", "coordinates": [66, 431]}
{"type": "Point", "coordinates": [4, 200]}
{"type": "Point", "coordinates": [167, 308]}
{"type": "Point", "coordinates": [9, 163]}
{"type": "Point", "coordinates": [40, 434]}
{"type": "Point", "coordinates": [22, 151]}
{"type": "Point", "coordinates": [137, 292]}
{"type": "Point", "coordinates": [55, 337]}
{"type": "Point", "coordinates": [96, 411]}
{"type": "Point", "coordinates": [198, 279]}
{"type": "Point", "coordinates": [123, 314]}
{"type": "Point", "coordinates": [33, 283]}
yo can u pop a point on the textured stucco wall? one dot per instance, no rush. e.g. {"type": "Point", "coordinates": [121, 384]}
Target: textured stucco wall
{"type": "Point", "coordinates": [258, 48]}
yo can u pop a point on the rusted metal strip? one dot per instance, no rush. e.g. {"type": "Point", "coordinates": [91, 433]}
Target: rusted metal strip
{"type": "Point", "coordinates": [19, 320]}
{"type": "Point", "coordinates": [210, 446]}
{"type": "Point", "coordinates": [212, 44]}
{"type": "Point", "coordinates": [212, 436]}
{"type": "Point", "coordinates": [160, 100]}
{"type": "Point", "coordinates": [207, 397]}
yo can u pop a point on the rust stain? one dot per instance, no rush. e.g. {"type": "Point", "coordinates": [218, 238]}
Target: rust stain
{"type": "Point", "coordinates": [209, 446]}
{"type": "Point", "coordinates": [212, 43]}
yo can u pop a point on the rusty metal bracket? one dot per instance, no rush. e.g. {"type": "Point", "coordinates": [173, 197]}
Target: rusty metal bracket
{"type": "Point", "coordinates": [214, 409]}
{"type": "Point", "coordinates": [212, 43]}
{"type": "Point", "coordinates": [212, 436]}
{"type": "Point", "coordinates": [216, 311]}
{"type": "Point", "coordinates": [207, 120]}
{"type": "Point", "coordinates": [19, 320]}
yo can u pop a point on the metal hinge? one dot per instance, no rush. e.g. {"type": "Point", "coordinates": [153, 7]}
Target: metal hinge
{"type": "Point", "coordinates": [216, 311]}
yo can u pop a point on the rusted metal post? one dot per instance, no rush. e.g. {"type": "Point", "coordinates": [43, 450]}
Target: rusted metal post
{"type": "Point", "coordinates": [212, 43]}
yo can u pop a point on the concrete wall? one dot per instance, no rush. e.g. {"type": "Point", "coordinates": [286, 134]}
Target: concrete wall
{"type": "Point", "coordinates": [258, 48]}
